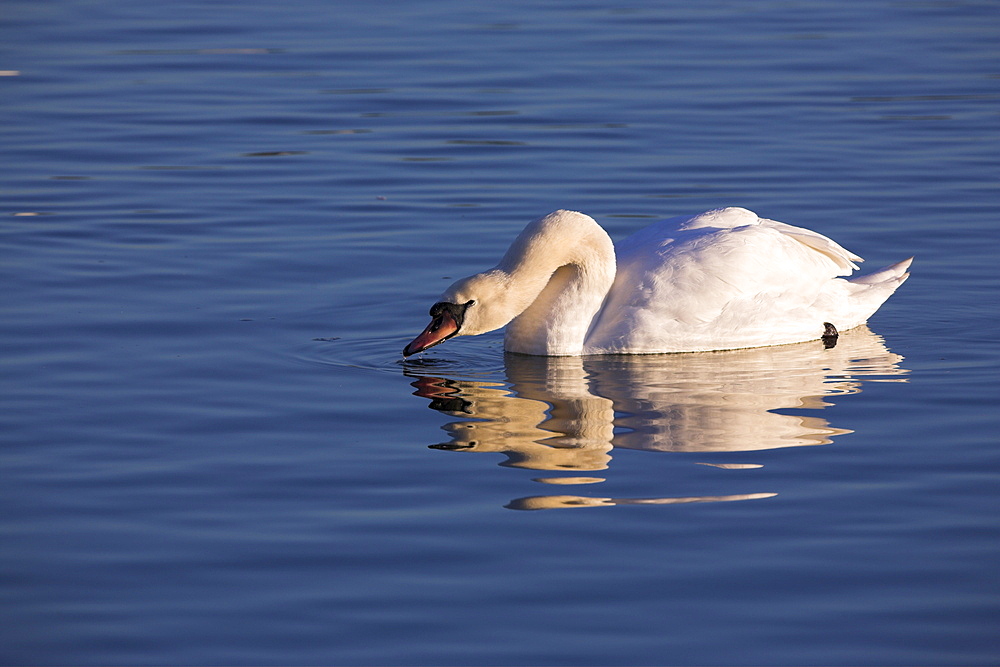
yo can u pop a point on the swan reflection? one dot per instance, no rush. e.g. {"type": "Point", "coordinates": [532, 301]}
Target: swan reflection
{"type": "Point", "coordinates": [569, 413]}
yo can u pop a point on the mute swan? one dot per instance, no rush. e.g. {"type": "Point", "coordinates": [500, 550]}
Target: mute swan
{"type": "Point", "coordinates": [720, 280]}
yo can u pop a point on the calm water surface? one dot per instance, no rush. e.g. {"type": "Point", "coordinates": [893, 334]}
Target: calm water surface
{"type": "Point", "coordinates": [221, 222]}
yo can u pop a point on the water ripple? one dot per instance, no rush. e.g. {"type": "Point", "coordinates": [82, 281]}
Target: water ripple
{"type": "Point", "coordinates": [478, 357]}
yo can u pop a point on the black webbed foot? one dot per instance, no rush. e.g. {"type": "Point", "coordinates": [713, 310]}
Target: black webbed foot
{"type": "Point", "coordinates": [830, 335]}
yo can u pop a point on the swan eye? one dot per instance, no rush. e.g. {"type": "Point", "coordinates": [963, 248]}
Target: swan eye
{"type": "Point", "coordinates": [470, 302]}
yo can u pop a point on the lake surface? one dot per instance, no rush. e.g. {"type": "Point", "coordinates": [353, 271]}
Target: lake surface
{"type": "Point", "coordinates": [221, 222]}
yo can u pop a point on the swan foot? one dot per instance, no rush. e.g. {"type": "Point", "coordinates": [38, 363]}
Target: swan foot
{"type": "Point", "coordinates": [454, 446]}
{"type": "Point", "coordinates": [830, 335]}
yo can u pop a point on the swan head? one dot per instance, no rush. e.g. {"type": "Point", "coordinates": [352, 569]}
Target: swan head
{"type": "Point", "coordinates": [470, 307]}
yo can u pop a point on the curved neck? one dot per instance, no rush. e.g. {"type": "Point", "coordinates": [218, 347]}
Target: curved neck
{"type": "Point", "coordinates": [563, 265]}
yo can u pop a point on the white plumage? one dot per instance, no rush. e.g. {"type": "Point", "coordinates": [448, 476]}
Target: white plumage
{"type": "Point", "coordinates": [724, 279]}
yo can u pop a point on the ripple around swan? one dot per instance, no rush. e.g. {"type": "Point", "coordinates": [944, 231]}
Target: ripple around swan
{"type": "Point", "coordinates": [479, 357]}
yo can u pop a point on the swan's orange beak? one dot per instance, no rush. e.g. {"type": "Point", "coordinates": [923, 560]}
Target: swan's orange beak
{"type": "Point", "coordinates": [442, 327]}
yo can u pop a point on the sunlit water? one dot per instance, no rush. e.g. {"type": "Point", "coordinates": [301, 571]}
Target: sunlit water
{"type": "Point", "coordinates": [220, 225]}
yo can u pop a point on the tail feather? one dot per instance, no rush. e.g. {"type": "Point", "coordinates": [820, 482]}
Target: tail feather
{"type": "Point", "coordinates": [870, 291]}
{"type": "Point", "coordinates": [896, 272]}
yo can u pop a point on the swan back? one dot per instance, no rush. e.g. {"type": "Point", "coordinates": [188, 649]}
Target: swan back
{"type": "Point", "coordinates": [725, 279]}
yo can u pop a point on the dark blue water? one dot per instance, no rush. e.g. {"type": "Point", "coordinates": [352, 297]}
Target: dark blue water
{"type": "Point", "coordinates": [221, 222]}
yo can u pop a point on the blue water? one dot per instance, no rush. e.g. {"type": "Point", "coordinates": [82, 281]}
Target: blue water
{"type": "Point", "coordinates": [221, 222]}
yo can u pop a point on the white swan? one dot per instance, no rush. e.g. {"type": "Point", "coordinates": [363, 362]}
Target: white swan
{"type": "Point", "coordinates": [724, 279]}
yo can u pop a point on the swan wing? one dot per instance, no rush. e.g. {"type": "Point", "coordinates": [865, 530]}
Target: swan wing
{"type": "Point", "coordinates": [841, 257]}
{"type": "Point", "coordinates": [722, 280]}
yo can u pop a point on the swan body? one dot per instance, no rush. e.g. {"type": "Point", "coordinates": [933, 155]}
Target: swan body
{"type": "Point", "coordinates": [723, 279]}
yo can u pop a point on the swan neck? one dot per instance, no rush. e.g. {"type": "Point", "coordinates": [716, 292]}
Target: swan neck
{"type": "Point", "coordinates": [563, 266]}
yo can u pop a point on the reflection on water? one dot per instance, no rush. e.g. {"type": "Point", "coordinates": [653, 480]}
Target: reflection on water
{"type": "Point", "coordinates": [564, 502]}
{"type": "Point", "coordinates": [569, 413]}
